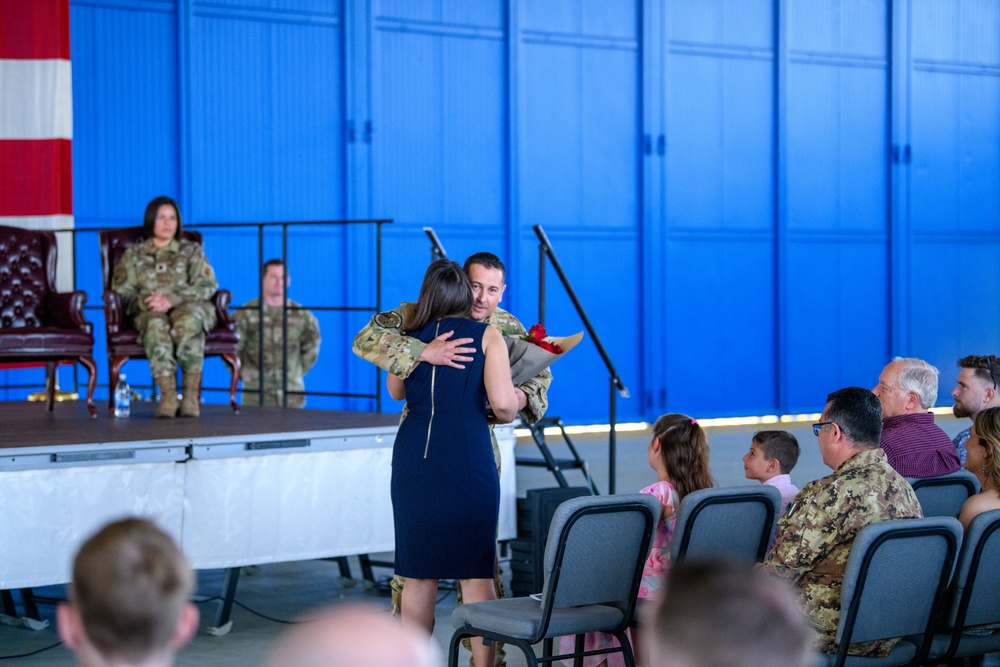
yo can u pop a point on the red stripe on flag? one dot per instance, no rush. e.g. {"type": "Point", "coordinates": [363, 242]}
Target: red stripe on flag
{"type": "Point", "coordinates": [34, 29]}
{"type": "Point", "coordinates": [36, 176]}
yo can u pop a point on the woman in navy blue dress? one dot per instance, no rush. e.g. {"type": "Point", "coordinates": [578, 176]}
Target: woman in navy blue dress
{"type": "Point", "coordinates": [445, 489]}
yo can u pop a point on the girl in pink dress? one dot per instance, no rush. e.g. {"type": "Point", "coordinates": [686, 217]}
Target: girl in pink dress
{"type": "Point", "coordinates": [678, 453]}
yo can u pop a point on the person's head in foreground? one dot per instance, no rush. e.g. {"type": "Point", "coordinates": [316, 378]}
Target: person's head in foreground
{"type": "Point", "coordinates": [353, 635]}
{"type": "Point", "coordinates": [129, 601]}
{"type": "Point", "coordinates": [717, 613]}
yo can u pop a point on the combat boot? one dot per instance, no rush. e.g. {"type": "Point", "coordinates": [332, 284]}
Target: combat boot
{"type": "Point", "coordinates": [167, 384]}
{"type": "Point", "coordinates": [191, 394]}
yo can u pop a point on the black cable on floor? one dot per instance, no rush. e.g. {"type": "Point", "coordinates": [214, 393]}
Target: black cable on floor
{"type": "Point", "coordinates": [264, 616]}
{"type": "Point", "coordinates": [28, 655]}
{"type": "Point", "coordinates": [252, 611]}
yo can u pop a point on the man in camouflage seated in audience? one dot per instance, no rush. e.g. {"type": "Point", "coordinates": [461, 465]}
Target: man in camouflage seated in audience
{"type": "Point", "coordinates": [815, 536]}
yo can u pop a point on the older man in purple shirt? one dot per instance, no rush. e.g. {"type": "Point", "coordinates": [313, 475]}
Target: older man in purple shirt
{"type": "Point", "coordinates": [914, 445]}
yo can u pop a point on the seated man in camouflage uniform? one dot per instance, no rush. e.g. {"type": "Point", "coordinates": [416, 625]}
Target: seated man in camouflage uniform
{"type": "Point", "coordinates": [166, 285]}
{"type": "Point", "coordinates": [815, 536]}
{"type": "Point", "coordinates": [384, 343]}
{"type": "Point", "coordinates": [303, 341]}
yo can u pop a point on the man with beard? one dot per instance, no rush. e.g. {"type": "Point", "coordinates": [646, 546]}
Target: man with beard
{"type": "Point", "coordinates": [975, 390]}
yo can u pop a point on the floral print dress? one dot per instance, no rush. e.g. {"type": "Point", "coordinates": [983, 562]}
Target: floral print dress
{"type": "Point", "coordinates": [652, 578]}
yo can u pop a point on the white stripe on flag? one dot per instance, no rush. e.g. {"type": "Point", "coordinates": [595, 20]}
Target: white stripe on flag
{"type": "Point", "coordinates": [37, 99]}
{"type": "Point", "coordinates": [64, 241]}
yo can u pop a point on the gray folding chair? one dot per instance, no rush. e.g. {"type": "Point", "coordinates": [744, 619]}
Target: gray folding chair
{"type": "Point", "coordinates": [895, 579]}
{"type": "Point", "coordinates": [945, 494]}
{"type": "Point", "coordinates": [734, 522]}
{"type": "Point", "coordinates": [976, 595]}
{"type": "Point", "coordinates": [596, 549]}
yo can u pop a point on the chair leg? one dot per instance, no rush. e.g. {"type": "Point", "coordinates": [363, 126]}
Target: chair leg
{"type": "Point", "coordinates": [88, 363]}
{"type": "Point", "coordinates": [456, 642]}
{"type": "Point", "coordinates": [233, 362]}
{"type": "Point", "coordinates": [50, 385]}
{"type": "Point", "coordinates": [530, 659]}
{"type": "Point", "coordinates": [627, 653]}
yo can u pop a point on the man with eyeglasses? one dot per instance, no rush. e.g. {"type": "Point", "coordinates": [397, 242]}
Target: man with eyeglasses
{"type": "Point", "coordinates": [914, 445]}
{"type": "Point", "coordinates": [975, 391]}
{"type": "Point", "coordinates": [814, 538]}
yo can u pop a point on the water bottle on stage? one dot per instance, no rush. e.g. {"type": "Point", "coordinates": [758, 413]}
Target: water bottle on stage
{"type": "Point", "coordinates": [123, 397]}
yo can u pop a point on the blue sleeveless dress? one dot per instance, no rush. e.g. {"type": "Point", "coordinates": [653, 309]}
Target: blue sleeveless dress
{"type": "Point", "coordinates": [445, 487]}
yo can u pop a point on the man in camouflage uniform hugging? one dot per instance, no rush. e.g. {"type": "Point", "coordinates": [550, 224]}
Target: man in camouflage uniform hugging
{"type": "Point", "coordinates": [383, 342]}
{"type": "Point", "coordinates": [303, 341]}
{"type": "Point", "coordinates": [166, 284]}
{"type": "Point", "coordinates": [814, 537]}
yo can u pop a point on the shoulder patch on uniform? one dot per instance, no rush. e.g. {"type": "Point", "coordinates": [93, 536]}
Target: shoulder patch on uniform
{"type": "Point", "coordinates": [389, 319]}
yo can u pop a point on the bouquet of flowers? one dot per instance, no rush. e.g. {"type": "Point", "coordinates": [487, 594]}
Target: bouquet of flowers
{"type": "Point", "coordinates": [531, 354]}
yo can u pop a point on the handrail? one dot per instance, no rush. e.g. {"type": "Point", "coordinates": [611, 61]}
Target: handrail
{"type": "Point", "coordinates": [284, 225]}
{"type": "Point", "coordinates": [437, 250]}
{"type": "Point", "coordinates": [545, 250]}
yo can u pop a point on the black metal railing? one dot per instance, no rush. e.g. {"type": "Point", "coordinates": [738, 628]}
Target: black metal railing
{"type": "Point", "coordinates": [618, 387]}
{"type": "Point", "coordinates": [72, 233]}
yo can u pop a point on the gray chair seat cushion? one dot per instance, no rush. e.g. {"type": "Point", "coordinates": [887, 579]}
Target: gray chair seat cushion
{"type": "Point", "coordinates": [522, 618]}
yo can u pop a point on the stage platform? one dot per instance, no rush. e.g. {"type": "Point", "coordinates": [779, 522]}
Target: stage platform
{"type": "Point", "coordinates": [266, 485]}
{"type": "Point", "coordinates": [24, 424]}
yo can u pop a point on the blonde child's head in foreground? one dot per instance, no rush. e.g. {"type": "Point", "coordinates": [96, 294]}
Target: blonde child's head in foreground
{"type": "Point", "coordinates": [129, 601]}
{"type": "Point", "coordinates": [353, 635]}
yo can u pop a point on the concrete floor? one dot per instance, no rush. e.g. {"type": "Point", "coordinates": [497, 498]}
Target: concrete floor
{"type": "Point", "coordinates": [276, 594]}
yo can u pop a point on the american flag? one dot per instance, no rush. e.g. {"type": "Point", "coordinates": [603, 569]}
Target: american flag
{"type": "Point", "coordinates": [36, 120]}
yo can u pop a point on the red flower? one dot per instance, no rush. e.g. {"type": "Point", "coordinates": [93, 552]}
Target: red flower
{"type": "Point", "coordinates": [536, 335]}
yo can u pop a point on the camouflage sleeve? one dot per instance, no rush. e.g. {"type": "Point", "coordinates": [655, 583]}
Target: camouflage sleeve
{"type": "Point", "coordinates": [201, 283]}
{"type": "Point", "coordinates": [126, 283]}
{"type": "Point", "coordinates": [382, 343]}
{"type": "Point", "coordinates": [536, 389]}
{"type": "Point", "coordinates": [804, 535]}
{"type": "Point", "coordinates": [309, 342]}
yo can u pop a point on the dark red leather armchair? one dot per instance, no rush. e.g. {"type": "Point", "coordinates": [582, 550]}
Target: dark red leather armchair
{"type": "Point", "coordinates": [122, 338]}
{"type": "Point", "coordinates": [36, 322]}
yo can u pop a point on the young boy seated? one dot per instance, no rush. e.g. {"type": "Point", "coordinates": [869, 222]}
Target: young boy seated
{"type": "Point", "coordinates": [772, 456]}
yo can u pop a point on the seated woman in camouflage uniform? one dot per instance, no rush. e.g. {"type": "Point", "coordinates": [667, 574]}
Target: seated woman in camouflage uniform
{"type": "Point", "coordinates": [166, 284]}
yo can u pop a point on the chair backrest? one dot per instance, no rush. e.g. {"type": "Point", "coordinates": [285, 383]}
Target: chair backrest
{"type": "Point", "coordinates": [735, 522]}
{"type": "Point", "coordinates": [114, 242]}
{"type": "Point", "coordinates": [596, 549]}
{"type": "Point", "coordinates": [27, 276]}
{"type": "Point", "coordinates": [945, 494]}
{"type": "Point", "coordinates": [895, 579]}
{"type": "Point", "coordinates": [977, 574]}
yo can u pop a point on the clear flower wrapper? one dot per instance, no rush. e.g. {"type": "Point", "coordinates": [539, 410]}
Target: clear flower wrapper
{"type": "Point", "coordinates": [528, 359]}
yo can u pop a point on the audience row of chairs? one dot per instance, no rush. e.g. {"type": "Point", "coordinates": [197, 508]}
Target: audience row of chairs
{"type": "Point", "coordinates": [39, 324]}
{"type": "Point", "coordinates": [920, 579]}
